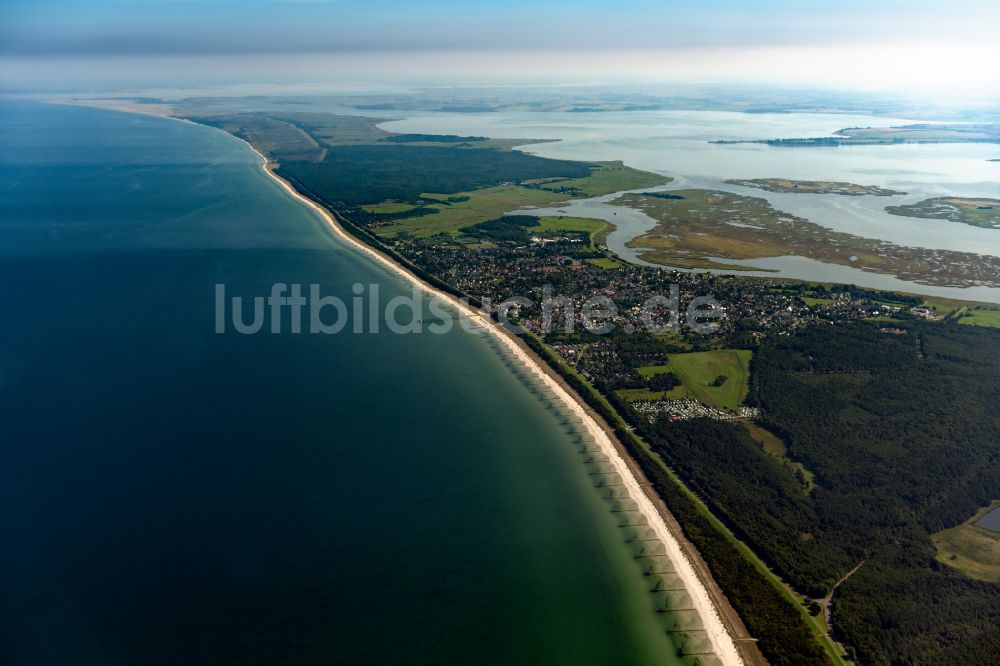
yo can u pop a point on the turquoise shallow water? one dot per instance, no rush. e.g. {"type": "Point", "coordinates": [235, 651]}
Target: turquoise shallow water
{"type": "Point", "coordinates": [173, 496]}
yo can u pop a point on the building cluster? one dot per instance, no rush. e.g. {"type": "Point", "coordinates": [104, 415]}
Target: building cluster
{"type": "Point", "coordinates": [503, 271]}
{"type": "Point", "coordinates": [548, 288]}
{"type": "Point", "coordinates": [682, 410]}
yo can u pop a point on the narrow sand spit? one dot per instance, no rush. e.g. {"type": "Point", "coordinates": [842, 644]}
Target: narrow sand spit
{"type": "Point", "coordinates": [722, 642]}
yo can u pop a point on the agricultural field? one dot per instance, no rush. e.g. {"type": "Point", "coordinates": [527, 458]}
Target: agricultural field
{"type": "Point", "coordinates": [973, 550]}
{"type": "Point", "coordinates": [975, 212]}
{"type": "Point", "coordinates": [699, 372]}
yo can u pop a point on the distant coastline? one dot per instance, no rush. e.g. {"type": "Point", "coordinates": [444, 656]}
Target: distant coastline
{"type": "Point", "coordinates": [719, 633]}
{"type": "Point", "coordinates": [886, 136]}
{"type": "Point", "coordinates": [718, 630]}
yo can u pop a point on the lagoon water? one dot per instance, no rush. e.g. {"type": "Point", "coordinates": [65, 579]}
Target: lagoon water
{"type": "Point", "coordinates": [169, 495]}
{"type": "Point", "coordinates": [990, 521]}
{"type": "Point", "coordinates": [676, 144]}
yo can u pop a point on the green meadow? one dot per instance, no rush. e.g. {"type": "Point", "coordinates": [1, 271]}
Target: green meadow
{"type": "Point", "coordinates": [699, 371]}
{"type": "Point", "coordinates": [989, 318]}
{"type": "Point", "coordinates": [973, 550]}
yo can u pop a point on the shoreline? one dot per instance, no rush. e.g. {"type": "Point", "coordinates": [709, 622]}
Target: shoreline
{"type": "Point", "coordinates": [657, 515]}
{"type": "Point", "coordinates": [722, 641]}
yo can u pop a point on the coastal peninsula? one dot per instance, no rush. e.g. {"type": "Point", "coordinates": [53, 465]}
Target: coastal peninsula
{"type": "Point", "coordinates": [787, 185]}
{"type": "Point", "coordinates": [976, 212]}
{"type": "Point", "coordinates": [705, 226]}
{"type": "Point", "coordinates": [878, 136]}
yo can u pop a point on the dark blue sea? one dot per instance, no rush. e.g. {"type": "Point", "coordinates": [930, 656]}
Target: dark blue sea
{"type": "Point", "coordinates": [172, 495]}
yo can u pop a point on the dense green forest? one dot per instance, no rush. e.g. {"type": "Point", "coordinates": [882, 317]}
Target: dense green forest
{"type": "Point", "coordinates": [782, 636]}
{"type": "Point", "coordinates": [355, 175]}
{"type": "Point", "coordinates": [901, 431]}
{"type": "Point", "coordinates": [432, 138]}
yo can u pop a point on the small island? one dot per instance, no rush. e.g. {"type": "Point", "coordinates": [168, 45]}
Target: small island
{"type": "Point", "coordinates": [878, 136]}
{"type": "Point", "coordinates": [785, 185]}
{"type": "Point", "coordinates": [976, 212]}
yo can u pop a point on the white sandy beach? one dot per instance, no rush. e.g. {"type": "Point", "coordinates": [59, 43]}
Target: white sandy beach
{"type": "Point", "coordinates": [722, 642]}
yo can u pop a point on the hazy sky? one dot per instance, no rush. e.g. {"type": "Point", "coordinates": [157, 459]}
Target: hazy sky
{"type": "Point", "coordinates": [911, 44]}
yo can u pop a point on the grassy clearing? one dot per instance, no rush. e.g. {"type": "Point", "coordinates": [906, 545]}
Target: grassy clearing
{"type": "Point", "coordinates": [942, 306]}
{"type": "Point", "coordinates": [775, 448]}
{"type": "Point", "coordinates": [988, 318]}
{"type": "Point", "coordinates": [589, 226]}
{"type": "Point", "coordinates": [812, 302]}
{"type": "Point", "coordinates": [606, 263]}
{"type": "Point", "coordinates": [388, 208]}
{"type": "Point", "coordinates": [637, 395]}
{"type": "Point", "coordinates": [605, 178]}
{"type": "Point", "coordinates": [481, 205]}
{"type": "Point", "coordinates": [642, 451]}
{"type": "Point", "coordinates": [973, 550]}
{"type": "Point", "coordinates": [653, 370]}
{"type": "Point", "coordinates": [456, 211]}
{"type": "Point", "coordinates": [335, 130]}
{"type": "Point", "coordinates": [698, 371]}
